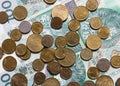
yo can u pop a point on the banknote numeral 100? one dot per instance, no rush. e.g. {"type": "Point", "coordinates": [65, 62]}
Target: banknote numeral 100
{"type": "Point", "coordinates": [5, 78]}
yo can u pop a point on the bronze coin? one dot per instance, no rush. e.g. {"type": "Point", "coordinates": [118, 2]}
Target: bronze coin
{"type": "Point", "coordinates": [39, 78]}
{"type": "Point", "coordinates": [60, 41]}
{"type": "Point", "coordinates": [81, 13]}
{"type": "Point", "coordinates": [20, 13]}
{"type": "Point", "coordinates": [27, 55]}
{"type": "Point", "coordinates": [73, 84]}
{"type": "Point", "coordinates": [93, 42]}
{"type": "Point", "coordinates": [115, 61]}
{"type": "Point", "coordinates": [89, 83]}
{"type": "Point", "coordinates": [19, 80]}
{"type": "Point", "coordinates": [16, 35]}
{"type": "Point", "coordinates": [117, 83]}
{"type": "Point", "coordinates": [9, 63]}
{"type": "Point", "coordinates": [72, 38]}
{"type": "Point", "coordinates": [93, 73]}
{"type": "Point", "coordinates": [60, 53]}
{"type": "Point", "coordinates": [86, 54]}
{"type": "Point", "coordinates": [37, 27]}
{"type": "Point", "coordinates": [8, 46]}
{"type": "Point", "coordinates": [21, 49]}
{"type": "Point", "coordinates": [1, 53]}
{"type": "Point", "coordinates": [3, 17]}
{"type": "Point", "coordinates": [104, 80]}
{"type": "Point", "coordinates": [103, 65]}
{"type": "Point", "coordinates": [50, 1]}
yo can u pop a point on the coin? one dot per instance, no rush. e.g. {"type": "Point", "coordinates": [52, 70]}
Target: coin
{"type": "Point", "coordinates": [27, 55]}
{"type": "Point", "coordinates": [60, 53]}
{"type": "Point", "coordinates": [104, 80]}
{"type": "Point", "coordinates": [72, 38]}
{"type": "Point", "coordinates": [3, 17]}
{"type": "Point", "coordinates": [103, 65]}
{"type": "Point", "coordinates": [104, 32]}
{"type": "Point", "coordinates": [19, 80]}
{"type": "Point", "coordinates": [86, 54]}
{"type": "Point", "coordinates": [8, 46]}
{"type": "Point", "coordinates": [51, 82]}
{"type": "Point", "coordinates": [96, 23]}
{"type": "Point", "coordinates": [89, 83]}
{"type": "Point", "coordinates": [37, 27]}
{"type": "Point", "coordinates": [93, 42]}
{"type": "Point", "coordinates": [65, 73]}
{"type": "Point", "coordinates": [92, 5]}
{"type": "Point", "coordinates": [93, 73]}
{"type": "Point", "coordinates": [117, 83]}
{"type": "Point", "coordinates": [25, 27]}
{"type": "Point", "coordinates": [50, 1]}
{"type": "Point", "coordinates": [73, 84]}
{"type": "Point", "coordinates": [21, 49]}
{"type": "Point", "coordinates": [16, 35]}
{"type": "Point", "coordinates": [81, 13]}
{"type": "Point", "coordinates": [1, 53]}
{"type": "Point", "coordinates": [20, 13]}
{"type": "Point", "coordinates": [9, 63]}
{"type": "Point", "coordinates": [115, 61]}
{"type": "Point", "coordinates": [74, 25]}
{"type": "Point", "coordinates": [60, 11]}
{"type": "Point", "coordinates": [34, 43]}
{"type": "Point", "coordinates": [60, 41]}
{"type": "Point", "coordinates": [37, 65]}
{"type": "Point", "coordinates": [39, 78]}
{"type": "Point", "coordinates": [56, 23]}
{"type": "Point", "coordinates": [47, 40]}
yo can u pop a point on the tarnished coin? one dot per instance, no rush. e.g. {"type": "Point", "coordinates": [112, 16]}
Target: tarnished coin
{"type": "Point", "coordinates": [74, 25]}
{"type": "Point", "coordinates": [16, 35]}
{"type": "Point", "coordinates": [37, 27]}
{"type": "Point", "coordinates": [93, 73]}
{"type": "Point", "coordinates": [37, 65]}
{"type": "Point", "coordinates": [21, 49]}
{"type": "Point", "coordinates": [115, 61]}
{"type": "Point", "coordinates": [1, 53]}
{"type": "Point", "coordinates": [117, 83]}
{"type": "Point", "coordinates": [73, 84]}
{"type": "Point", "coordinates": [104, 32]}
{"type": "Point", "coordinates": [3, 17]}
{"type": "Point", "coordinates": [51, 82]}
{"type": "Point", "coordinates": [8, 46]}
{"type": "Point", "coordinates": [92, 5]}
{"type": "Point", "coordinates": [81, 13]}
{"type": "Point", "coordinates": [19, 80]}
{"type": "Point", "coordinates": [72, 38]}
{"type": "Point", "coordinates": [50, 1]}
{"type": "Point", "coordinates": [60, 41]}
{"type": "Point", "coordinates": [60, 11]}
{"type": "Point", "coordinates": [27, 55]}
{"type": "Point", "coordinates": [103, 65]}
{"type": "Point", "coordinates": [93, 42]}
{"type": "Point", "coordinates": [60, 53]}
{"type": "Point", "coordinates": [104, 80]}
{"type": "Point", "coordinates": [20, 13]}
{"type": "Point", "coordinates": [9, 63]}
{"type": "Point", "coordinates": [34, 43]}
{"type": "Point", "coordinates": [86, 54]}
{"type": "Point", "coordinates": [89, 83]}
{"type": "Point", "coordinates": [96, 23]}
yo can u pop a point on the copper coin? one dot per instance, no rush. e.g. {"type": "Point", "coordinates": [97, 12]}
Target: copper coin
{"type": "Point", "coordinates": [115, 61]}
{"type": "Point", "coordinates": [93, 42]}
{"type": "Point", "coordinates": [47, 40]}
{"type": "Point", "coordinates": [27, 55]}
{"type": "Point", "coordinates": [72, 38]}
{"type": "Point", "coordinates": [20, 13]}
{"type": "Point", "coordinates": [8, 46]}
{"type": "Point", "coordinates": [39, 78]}
{"type": "Point", "coordinates": [93, 73]}
{"type": "Point", "coordinates": [50, 1]}
{"type": "Point", "coordinates": [81, 13]}
{"type": "Point", "coordinates": [60, 53]}
{"type": "Point", "coordinates": [1, 53]}
{"type": "Point", "coordinates": [51, 82]}
{"type": "Point", "coordinates": [104, 80]}
{"type": "Point", "coordinates": [21, 49]}
{"type": "Point", "coordinates": [103, 65]}
{"type": "Point", "coordinates": [60, 11]}
{"type": "Point", "coordinates": [86, 54]}
{"type": "Point", "coordinates": [3, 17]}
{"type": "Point", "coordinates": [92, 5]}
{"type": "Point", "coordinates": [9, 63]}
{"type": "Point", "coordinates": [37, 27]}
{"type": "Point", "coordinates": [34, 43]}
{"type": "Point", "coordinates": [73, 84]}
{"type": "Point", "coordinates": [89, 83]}
{"type": "Point", "coordinates": [117, 83]}
{"type": "Point", "coordinates": [16, 35]}
{"type": "Point", "coordinates": [37, 65]}
{"type": "Point", "coordinates": [19, 80]}
{"type": "Point", "coordinates": [96, 23]}
{"type": "Point", "coordinates": [60, 41]}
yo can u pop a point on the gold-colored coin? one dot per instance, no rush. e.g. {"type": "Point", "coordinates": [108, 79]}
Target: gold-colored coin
{"type": "Point", "coordinates": [1, 53]}
{"type": "Point", "coordinates": [104, 80]}
{"type": "Point", "coordinates": [50, 1]}
{"type": "Point", "coordinates": [60, 53]}
{"type": "Point", "coordinates": [93, 73]}
{"type": "Point", "coordinates": [93, 42]}
{"type": "Point", "coordinates": [73, 84]}
{"type": "Point", "coordinates": [20, 13]}
{"type": "Point", "coordinates": [96, 23]}
{"type": "Point", "coordinates": [37, 27]}
{"type": "Point", "coordinates": [104, 32]}
{"type": "Point", "coordinates": [34, 43]}
{"type": "Point", "coordinates": [60, 41]}
{"type": "Point", "coordinates": [115, 61]}
{"type": "Point", "coordinates": [81, 13]}
{"type": "Point", "coordinates": [27, 55]}
{"type": "Point", "coordinates": [3, 17]}
{"type": "Point", "coordinates": [21, 50]}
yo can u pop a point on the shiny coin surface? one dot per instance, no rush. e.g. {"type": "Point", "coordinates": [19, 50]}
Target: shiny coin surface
{"type": "Point", "coordinates": [60, 53]}
{"type": "Point", "coordinates": [3, 17]}
{"type": "Point", "coordinates": [50, 1]}
{"type": "Point", "coordinates": [89, 83]}
{"type": "Point", "coordinates": [20, 13]}
{"type": "Point", "coordinates": [117, 83]}
{"type": "Point", "coordinates": [37, 27]}
{"type": "Point", "coordinates": [1, 53]}
{"type": "Point", "coordinates": [60, 41]}
{"type": "Point", "coordinates": [27, 55]}
{"type": "Point", "coordinates": [21, 49]}
{"type": "Point", "coordinates": [73, 84]}
{"type": "Point", "coordinates": [115, 61]}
